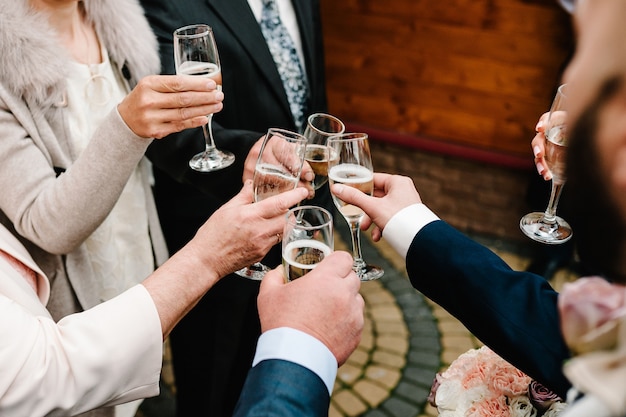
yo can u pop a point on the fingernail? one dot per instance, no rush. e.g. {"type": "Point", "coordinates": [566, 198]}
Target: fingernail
{"type": "Point", "coordinates": [338, 189]}
{"type": "Point", "coordinates": [309, 176]}
{"type": "Point", "coordinates": [540, 167]}
{"type": "Point", "coordinates": [536, 151]}
{"type": "Point", "coordinates": [219, 96]}
{"type": "Point", "coordinates": [539, 125]}
{"type": "Point", "coordinates": [211, 84]}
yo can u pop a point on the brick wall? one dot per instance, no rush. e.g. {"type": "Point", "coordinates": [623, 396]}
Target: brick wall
{"type": "Point", "coordinates": [476, 198]}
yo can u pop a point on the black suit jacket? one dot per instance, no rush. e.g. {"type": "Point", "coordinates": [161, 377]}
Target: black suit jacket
{"type": "Point", "coordinates": [254, 97]}
{"type": "Point", "coordinates": [515, 313]}
{"type": "Point", "coordinates": [213, 346]}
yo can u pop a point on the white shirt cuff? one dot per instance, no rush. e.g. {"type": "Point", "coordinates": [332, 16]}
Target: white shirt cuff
{"type": "Point", "coordinates": [405, 224]}
{"type": "Point", "coordinates": [298, 347]}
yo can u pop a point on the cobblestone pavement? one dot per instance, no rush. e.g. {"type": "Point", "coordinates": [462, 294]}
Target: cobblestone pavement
{"type": "Point", "coordinates": [406, 340]}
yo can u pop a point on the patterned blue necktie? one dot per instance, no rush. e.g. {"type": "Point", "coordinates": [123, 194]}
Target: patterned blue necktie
{"type": "Point", "coordinates": [287, 61]}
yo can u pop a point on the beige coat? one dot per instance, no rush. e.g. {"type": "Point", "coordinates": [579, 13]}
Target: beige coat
{"type": "Point", "coordinates": [104, 356]}
{"type": "Point", "coordinates": [51, 198]}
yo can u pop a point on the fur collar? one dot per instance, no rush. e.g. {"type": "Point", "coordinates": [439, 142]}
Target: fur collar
{"type": "Point", "coordinates": [33, 62]}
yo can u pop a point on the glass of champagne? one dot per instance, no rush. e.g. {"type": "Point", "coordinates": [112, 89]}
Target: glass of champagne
{"type": "Point", "coordinates": [307, 239]}
{"type": "Point", "coordinates": [353, 167]}
{"type": "Point", "coordinates": [320, 126]}
{"type": "Point", "coordinates": [547, 227]}
{"type": "Point", "coordinates": [195, 53]}
{"type": "Point", "coordinates": [277, 169]}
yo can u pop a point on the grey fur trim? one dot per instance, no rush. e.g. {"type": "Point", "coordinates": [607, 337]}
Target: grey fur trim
{"type": "Point", "coordinates": [33, 62]}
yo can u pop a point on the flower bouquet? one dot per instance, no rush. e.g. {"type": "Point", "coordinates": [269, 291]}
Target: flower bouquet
{"type": "Point", "coordinates": [593, 324]}
{"type": "Point", "coordinates": [479, 383]}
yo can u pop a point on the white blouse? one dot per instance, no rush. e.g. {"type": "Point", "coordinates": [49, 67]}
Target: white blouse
{"type": "Point", "coordinates": [120, 248]}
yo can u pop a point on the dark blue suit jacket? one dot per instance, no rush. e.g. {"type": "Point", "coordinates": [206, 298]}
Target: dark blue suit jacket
{"type": "Point", "coordinates": [281, 388]}
{"type": "Point", "coordinates": [514, 313]}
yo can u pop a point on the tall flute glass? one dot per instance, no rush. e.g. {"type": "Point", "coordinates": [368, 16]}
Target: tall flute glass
{"type": "Point", "coordinates": [195, 53]}
{"type": "Point", "coordinates": [277, 169]}
{"type": "Point", "coordinates": [353, 167]}
{"type": "Point", "coordinates": [320, 126]}
{"type": "Point", "coordinates": [547, 227]}
{"type": "Point", "coordinates": [307, 240]}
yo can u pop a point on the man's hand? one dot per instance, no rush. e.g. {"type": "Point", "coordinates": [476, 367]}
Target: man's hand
{"type": "Point", "coordinates": [392, 193]}
{"type": "Point", "coordinates": [325, 303]}
{"type": "Point", "coordinates": [306, 176]}
{"type": "Point", "coordinates": [242, 232]}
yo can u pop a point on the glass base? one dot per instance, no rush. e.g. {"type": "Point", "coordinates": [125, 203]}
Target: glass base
{"type": "Point", "coordinates": [535, 227]}
{"type": "Point", "coordinates": [369, 272]}
{"type": "Point", "coordinates": [212, 160]}
{"type": "Point", "coordinates": [254, 272]}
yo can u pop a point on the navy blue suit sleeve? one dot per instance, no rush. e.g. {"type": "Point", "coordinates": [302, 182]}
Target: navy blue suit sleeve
{"type": "Point", "coordinates": [515, 313]}
{"type": "Point", "coordinates": [282, 388]}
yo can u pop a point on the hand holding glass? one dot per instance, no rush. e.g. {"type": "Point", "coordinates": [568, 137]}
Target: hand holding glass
{"type": "Point", "coordinates": [547, 227]}
{"type": "Point", "coordinates": [195, 53]}
{"type": "Point", "coordinates": [307, 239]}
{"type": "Point", "coordinates": [278, 169]}
{"type": "Point", "coordinates": [353, 168]}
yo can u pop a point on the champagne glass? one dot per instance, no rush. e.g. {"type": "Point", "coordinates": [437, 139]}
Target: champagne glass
{"type": "Point", "coordinates": [320, 126]}
{"type": "Point", "coordinates": [195, 53]}
{"type": "Point", "coordinates": [353, 167]}
{"type": "Point", "coordinates": [307, 239]}
{"type": "Point", "coordinates": [277, 169]}
{"type": "Point", "coordinates": [547, 227]}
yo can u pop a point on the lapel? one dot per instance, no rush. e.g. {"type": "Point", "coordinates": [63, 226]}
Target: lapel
{"type": "Point", "coordinates": [231, 11]}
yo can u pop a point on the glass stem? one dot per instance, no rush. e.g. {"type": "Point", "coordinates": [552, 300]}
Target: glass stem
{"type": "Point", "coordinates": [549, 216]}
{"type": "Point", "coordinates": [355, 231]}
{"type": "Point", "coordinates": [208, 134]}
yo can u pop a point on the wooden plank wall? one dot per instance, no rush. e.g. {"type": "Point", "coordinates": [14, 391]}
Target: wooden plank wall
{"type": "Point", "coordinates": [475, 73]}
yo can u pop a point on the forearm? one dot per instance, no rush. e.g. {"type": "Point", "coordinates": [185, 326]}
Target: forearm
{"type": "Point", "coordinates": [39, 203]}
{"type": "Point", "coordinates": [104, 356]}
{"type": "Point", "coordinates": [179, 284]}
{"type": "Point", "coordinates": [513, 312]}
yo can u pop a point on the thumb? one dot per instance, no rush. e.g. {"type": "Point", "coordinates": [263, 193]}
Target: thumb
{"type": "Point", "coordinates": [351, 195]}
{"type": "Point", "coordinates": [273, 279]}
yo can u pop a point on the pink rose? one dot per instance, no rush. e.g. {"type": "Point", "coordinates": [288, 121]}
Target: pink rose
{"type": "Point", "coordinates": [541, 397]}
{"type": "Point", "coordinates": [508, 380]}
{"type": "Point", "coordinates": [589, 309]}
{"type": "Point", "coordinates": [489, 407]}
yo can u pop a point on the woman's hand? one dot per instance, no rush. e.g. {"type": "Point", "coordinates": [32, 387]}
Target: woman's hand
{"type": "Point", "coordinates": [538, 145]}
{"type": "Point", "coordinates": [163, 104]}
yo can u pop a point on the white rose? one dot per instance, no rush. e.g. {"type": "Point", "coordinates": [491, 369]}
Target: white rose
{"type": "Point", "coordinates": [521, 407]}
{"type": "Point", "coordinates": [468, 397]}
{"type": "Point", "coordinates": [449, 413]}
{"type": "Point", "coordinates": [448, 395]}
{"type": "Point", "coordinates": [555, 409]}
